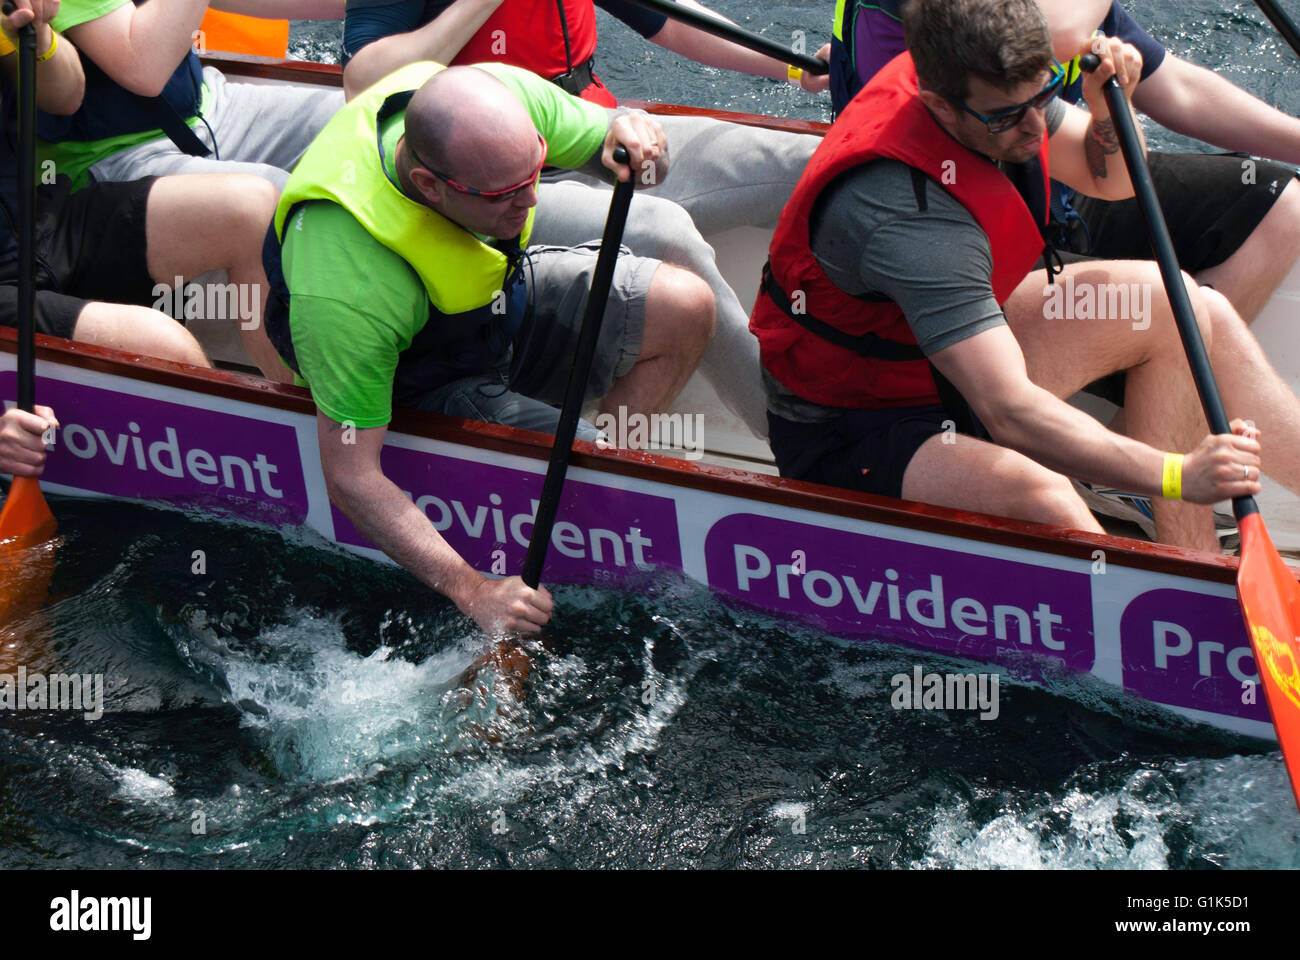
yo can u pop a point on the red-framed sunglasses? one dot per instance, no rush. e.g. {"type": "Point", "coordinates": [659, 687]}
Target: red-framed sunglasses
{"type": "Point", "coordinates": [492, 196]}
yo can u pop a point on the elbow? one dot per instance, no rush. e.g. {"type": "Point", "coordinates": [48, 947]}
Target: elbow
{"type": "Point", "coordinates": [146, 86]}
{"type": "Point", "coordinates": [64, 100]}
{"type": "Point", "coordinates": [1006, 420]}
{"type": "Point", "coordinates": [141, 75]}
{"type": "Point", "coordinates": [357, 74]}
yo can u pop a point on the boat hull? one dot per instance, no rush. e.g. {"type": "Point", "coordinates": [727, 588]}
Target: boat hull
{"type": "Point", "coordinates": [1157, 622]}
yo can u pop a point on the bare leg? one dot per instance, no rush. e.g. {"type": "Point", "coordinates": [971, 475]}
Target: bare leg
{"type": "Point", "coordinates": [678, 325]}
{"type": "Point", "coordinates": [1253, 390]}
{"type": "Point", "coordinates": [970, 474]}
{"type": "Point", "coordinates": [1249, 277]}
{"type": "Point", "coordinates": [201, 222]}
{"type": "Point", "coordinates": [1161, 407]}
{"type": "Point", "coordinates": [138, 330]}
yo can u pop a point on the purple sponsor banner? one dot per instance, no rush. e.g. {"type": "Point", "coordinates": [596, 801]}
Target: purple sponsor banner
{"type": "Point", "coordinates": [485, 512]}
{"type": "Point", "coordinates": [124, 445]}
{"type": "Point", "coordinates": [850, 583]}
{"type": "Point", "coordinates": [1189, 650]}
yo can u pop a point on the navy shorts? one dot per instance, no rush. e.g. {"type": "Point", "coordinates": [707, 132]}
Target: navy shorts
{"type": "Point", "coordinates": [90, 245]}
{"type": "Point", "coordinates": [1209, 205]}
{"type": "Point", "coordinates": [866, 450]}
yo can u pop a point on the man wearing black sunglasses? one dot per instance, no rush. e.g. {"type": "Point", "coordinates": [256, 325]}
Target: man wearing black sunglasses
{"type": "Point", "coordinates": [902, 320]}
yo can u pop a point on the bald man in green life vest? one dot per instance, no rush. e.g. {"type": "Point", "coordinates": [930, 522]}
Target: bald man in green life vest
{"type": "Point", "coordinates": [401, 273]}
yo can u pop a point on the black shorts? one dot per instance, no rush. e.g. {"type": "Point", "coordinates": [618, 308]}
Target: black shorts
{"type": "Point", "coordinates": [90, 245]}
{"type": "Point", "coordinates": [866, 450]}
{"type": "Point", "coordinates": [1209, 209]}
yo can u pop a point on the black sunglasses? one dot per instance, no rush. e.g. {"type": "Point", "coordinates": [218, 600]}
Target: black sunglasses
{"type": "Point", "coordinates": [1004, 120]}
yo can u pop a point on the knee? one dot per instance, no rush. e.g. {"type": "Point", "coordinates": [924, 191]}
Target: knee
{"type": "Point", "coordinates": [1205, 303]}
{"type": "Point", "coordinates": [175, 342]}
{"type": "Point", "coordinates": [1051, 498]}
{"type": "Point", "coordinates": [662, 229]}
{"type": "Point", "coordinates": [252, 202]}
{"type": "Point", "coordinates": [683, 306]}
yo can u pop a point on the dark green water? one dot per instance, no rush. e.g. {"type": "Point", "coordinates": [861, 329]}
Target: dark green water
{"type": "Point", "coordinates": [306, 709]}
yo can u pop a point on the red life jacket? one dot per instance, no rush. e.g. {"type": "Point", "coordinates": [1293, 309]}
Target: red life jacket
{"type": "Point", "coordinates": [874, 362]}
{"type": "Point", "coordinates": [548, 37]}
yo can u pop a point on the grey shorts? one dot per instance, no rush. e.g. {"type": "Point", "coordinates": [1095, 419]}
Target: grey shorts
{"type": "Point", "coordinates": [559, 279]}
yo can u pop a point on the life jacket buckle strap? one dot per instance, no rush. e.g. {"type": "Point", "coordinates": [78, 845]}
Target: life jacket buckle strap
{"type": "Point", "coordinates": [578, 79]}
{"type": "Point", "coordinates": [865, 345]}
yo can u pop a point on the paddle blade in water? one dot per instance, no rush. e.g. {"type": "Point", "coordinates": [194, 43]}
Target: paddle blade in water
{"type": "Point", "coordinates": [26, 560]}
{"type": "Point", "coordinates": [26, 516]}
{"type": "Point", "coordinates": [1270, 605]}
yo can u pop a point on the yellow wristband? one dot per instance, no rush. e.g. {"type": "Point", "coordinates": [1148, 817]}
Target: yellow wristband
{"type": "Point", "coordinates": [1172, 480]}
{"type": "Point", "coordinates": [793, 74]}
{"type": "Point", "coordinates": [54, 45]}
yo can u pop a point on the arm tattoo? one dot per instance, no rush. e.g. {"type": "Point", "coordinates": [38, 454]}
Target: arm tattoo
{"type": "Point", "coordinates": [1101, 142]}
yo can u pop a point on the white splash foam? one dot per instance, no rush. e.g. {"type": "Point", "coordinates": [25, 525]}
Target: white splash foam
{"type": "Point", "coordinates": [1081, 831]}
{"type": "Point", "coordinates": [332, 714]}
{"type": "Point", "coordinates": [137, 785]}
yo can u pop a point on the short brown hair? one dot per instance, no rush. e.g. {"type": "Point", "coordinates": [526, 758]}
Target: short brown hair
{"type": "Point", "coordinates": [1003, 42]}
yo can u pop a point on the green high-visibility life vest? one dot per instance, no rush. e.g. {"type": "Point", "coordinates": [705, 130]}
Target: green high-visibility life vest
{"type": "Point", "coordinates": [344, 164]}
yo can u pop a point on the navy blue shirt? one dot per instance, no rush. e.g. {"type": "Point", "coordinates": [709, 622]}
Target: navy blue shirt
{"type": "Point", "coordinates": [371, 20]}
{"type": "Point", "coordinates": [1119, 24]}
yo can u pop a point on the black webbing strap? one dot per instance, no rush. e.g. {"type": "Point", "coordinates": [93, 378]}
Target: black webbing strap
{"type": "Point", "coordinates": [578, 79]}
{"type": "Point", "coordinates": [174, 125]}
{"type": "Point", "coordinates": [864, 345]}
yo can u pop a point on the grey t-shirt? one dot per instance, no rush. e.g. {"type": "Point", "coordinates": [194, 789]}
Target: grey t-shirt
{"type": "Point", "coordinates": [869, 237]}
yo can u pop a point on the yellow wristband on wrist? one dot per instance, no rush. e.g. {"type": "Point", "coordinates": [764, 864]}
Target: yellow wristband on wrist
{"type": "Point", "coordinates": [54, 45]}
{"type": "Point", "coordinates": [793, 74]}
{"type": "Point", "coordinates": [1172, 480]}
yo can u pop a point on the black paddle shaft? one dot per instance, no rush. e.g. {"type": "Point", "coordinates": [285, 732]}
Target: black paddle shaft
{"type": "Point", "coordinates": [1283, 23]}
{"type": "Point", "coordinates": [26, 215]}
{"type": "Point", "coordinates": [579, 374]}
{"type": "Point", "coordinates": [737, 35]}
{"type": "Point", "coordinates": [1163, 247]}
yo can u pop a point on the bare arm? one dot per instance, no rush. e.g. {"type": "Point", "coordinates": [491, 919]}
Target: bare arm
{"type": "Point", "coordinates": [989, 370]}
{"type": "Point", "coordinates": [139, 47]}
{"type": "Point", "coordinates": [1073, 22]}
{"type": "Point", "coordinates": [439, 40]}
{"type": "Point", "coordinates": [60, 81]}
{"type": "Point", "coordinates": [388, 518]}
{"type": "Point", "coordinates": [284, 9]}
{"type": "Point", "coordinates": [1085, 151]}
{"type": "Point", "coordinates": [715, 52]}
{"type": "Point", "coordinates": [1197, 103]}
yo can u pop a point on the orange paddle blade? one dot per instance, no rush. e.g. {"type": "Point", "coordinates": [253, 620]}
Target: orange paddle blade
{"type": "Point", "coordinates": [26, 566]}
{"type": "Point", "coordinates": [1270, 605]}
{"type": "Point", "coordinates": [26, 516]}
{"type": "Point", "coordinates": [234, 33]}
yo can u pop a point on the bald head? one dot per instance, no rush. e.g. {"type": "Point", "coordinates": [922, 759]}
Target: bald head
{"type": "Point", "coordinates": [469, 125]}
